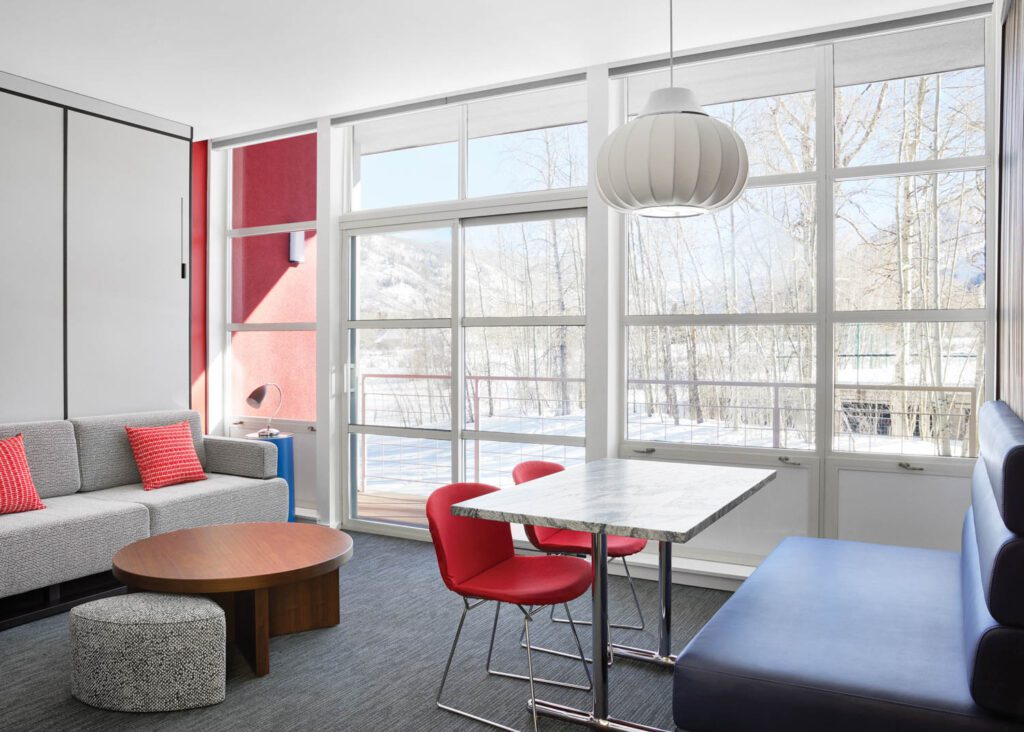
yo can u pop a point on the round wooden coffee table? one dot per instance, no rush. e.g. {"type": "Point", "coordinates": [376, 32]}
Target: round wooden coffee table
{"type": "Point", "coordinates": [270, 578]}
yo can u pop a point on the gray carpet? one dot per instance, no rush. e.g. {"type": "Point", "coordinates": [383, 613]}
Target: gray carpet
{"type": "Point", "coordinates": [379, 669]}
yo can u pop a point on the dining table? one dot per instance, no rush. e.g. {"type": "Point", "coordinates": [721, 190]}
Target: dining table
{"type": "Point", "coordinates": [668, 502]}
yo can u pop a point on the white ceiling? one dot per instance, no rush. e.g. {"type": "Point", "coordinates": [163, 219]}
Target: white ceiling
{"type": "Point", "coordinates": [231, 66]}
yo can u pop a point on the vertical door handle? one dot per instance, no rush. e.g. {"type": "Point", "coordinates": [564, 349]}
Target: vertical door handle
{"type": "Point", "coordinates": [181, 237]}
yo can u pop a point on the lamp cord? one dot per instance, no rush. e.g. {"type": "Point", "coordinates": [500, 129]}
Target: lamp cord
{"type": "Point", "coordinates": [671, 45]}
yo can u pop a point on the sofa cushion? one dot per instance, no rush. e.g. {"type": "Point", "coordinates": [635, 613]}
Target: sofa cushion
{"type": "Point", "coordinates": [104, 455]}
{"type": "Point", "coordinates": [52, 455]}
{"type": "Point", "coordinates": [994, 652]}
{"type": "Point", "coordinates": [1002, 450]}
{"type": "Point", "coordinates": [221, 499]}
{"type": "Point", "coordinates": [165, 455]}
{"type": "Point", "coordinates": [17, 492]}
{"type": "Point", "coordinates": [838, 635]}
{"type": "Point", "coordinates": [72, 538]}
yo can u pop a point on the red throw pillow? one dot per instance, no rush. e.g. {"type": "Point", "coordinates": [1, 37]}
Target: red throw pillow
{"type": "Point", "coordinates": [17, 491]}
{"type": "Point", "coordinates": [165, 455]}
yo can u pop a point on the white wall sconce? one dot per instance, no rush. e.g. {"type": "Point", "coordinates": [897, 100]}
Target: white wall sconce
{"type": "Point", "coordinates": [297, 246]}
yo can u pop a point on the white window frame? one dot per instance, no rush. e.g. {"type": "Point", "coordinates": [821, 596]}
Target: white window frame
{"type": "Point", "coordinates": [606, 316]}
{"type": "Point", "coordinates": [823, 463]}
{"type": "Point", "coordinates": [352, 226]}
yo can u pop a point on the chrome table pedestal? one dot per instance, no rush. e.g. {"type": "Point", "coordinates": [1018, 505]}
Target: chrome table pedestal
{"type": "Point", "coordinates": [663, 656]}
{"type": "Point", "coordinates": [598, 718]}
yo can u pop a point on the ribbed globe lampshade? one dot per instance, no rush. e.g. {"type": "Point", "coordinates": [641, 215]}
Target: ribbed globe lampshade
{"type": "Point", "coordinates": [672, 160]}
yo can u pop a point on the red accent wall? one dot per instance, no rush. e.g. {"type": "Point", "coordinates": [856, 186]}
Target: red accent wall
{"type": "Point", "coordinates": [274, 183]}
{"type": "Point", "coordinates": [200, 161]}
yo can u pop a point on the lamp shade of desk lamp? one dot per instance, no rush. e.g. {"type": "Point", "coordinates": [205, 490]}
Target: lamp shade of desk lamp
{"type": "Point", "coordinates": [256, 399]}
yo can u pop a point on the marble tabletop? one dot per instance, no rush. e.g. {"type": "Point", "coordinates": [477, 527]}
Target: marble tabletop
{"type": "Point", "coordinates": [645, 499]}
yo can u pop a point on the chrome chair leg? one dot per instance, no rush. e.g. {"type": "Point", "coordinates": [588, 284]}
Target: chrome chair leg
{"type": "Point", "coordinates": [549, 682]}
{"type": "Point", "coordinates": [552, 651]}
{"type": "Point", "coordinates": [447, 668]}
{"type": "Point", "coordinates": [622, 626]}
{"type": "Point", "coordinates": [529, 664]}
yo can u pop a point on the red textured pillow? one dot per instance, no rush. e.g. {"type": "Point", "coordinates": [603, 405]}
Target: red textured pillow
{"type": "Point", "coordinates": [165, 455]}
{"type": "Point", "coordinates": [17, 491]}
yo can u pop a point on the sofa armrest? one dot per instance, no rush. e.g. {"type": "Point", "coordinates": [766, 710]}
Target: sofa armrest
{"type": "Point", "coordinates": [245, 458]}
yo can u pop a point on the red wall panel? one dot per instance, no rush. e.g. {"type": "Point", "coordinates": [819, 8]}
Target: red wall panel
{"type": "Point", "coordinates": [274, 182]}
{"type": "Point", "coordinates": [200, 161]}
{"type": "Point", "coordinates": [266, 287]}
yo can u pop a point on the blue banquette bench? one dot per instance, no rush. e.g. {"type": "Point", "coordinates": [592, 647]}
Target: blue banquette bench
{"type": "Point", "coordinates": [840, 635]}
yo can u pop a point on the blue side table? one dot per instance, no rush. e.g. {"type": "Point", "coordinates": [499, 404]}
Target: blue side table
{"type": "Point", "coordinates": [285, 442]}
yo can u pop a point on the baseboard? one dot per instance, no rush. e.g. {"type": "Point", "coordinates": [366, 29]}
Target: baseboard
{"type": "Point", "coordinates": [686, 571]}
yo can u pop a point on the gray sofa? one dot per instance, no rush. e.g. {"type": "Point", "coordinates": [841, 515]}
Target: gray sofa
{"type": "Point", "coordinates": [95, 504]}
{"type": "Point", "coordinates": [846, 636]}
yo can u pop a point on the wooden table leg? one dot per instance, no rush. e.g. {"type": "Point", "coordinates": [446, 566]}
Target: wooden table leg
{"type": "Point", "coordinates": [305, 605]}
{"type": "Point", "coordinates": [252, 628]}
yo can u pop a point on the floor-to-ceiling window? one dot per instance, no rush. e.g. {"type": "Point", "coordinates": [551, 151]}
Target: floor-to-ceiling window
{"type": "Point", "coordinates": [909, 230]}
{"type": "Point", "coordinates": [833, 323]}
{"type": "Point", "coordinates": [466, 244]}
{"type": "Point", "coordinates": [873, 257]}
{"type": "Point", "coordinates": [722, 310]}
{"type": "Point", "coordinates": [835, 319]}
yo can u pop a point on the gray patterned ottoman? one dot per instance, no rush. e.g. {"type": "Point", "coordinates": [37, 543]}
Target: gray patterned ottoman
{"type": "Point", "coordinates": [148, 652]}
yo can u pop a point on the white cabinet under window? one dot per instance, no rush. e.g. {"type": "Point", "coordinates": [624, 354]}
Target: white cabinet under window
{"type": "Point", "coordinates": [922, 506]}
{"type": "Point", "coordinates": [127, 284]}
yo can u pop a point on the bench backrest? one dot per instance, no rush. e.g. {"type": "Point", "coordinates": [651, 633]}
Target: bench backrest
{"type": "Point", "coordinates": [992, 565]}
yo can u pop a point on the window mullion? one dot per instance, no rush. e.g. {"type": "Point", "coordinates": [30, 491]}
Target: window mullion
{"type": "Point", "coordinates": [457, 340]}
{"type": "Point", "coordinates": [463, 152]}
{"type": "Point", "coordinates": [825, 156]}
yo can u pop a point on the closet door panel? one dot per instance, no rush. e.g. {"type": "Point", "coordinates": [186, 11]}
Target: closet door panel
{"type": "Point", "coordinates": [127, 302]}
{"type": "Point", "coordinates": [31, 260]}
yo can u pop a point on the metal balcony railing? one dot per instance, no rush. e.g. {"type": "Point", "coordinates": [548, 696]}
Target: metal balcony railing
{"type": "Point", "coordinates": [735, 413]}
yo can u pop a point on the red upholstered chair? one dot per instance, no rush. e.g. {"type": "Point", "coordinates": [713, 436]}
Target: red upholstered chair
{"type": "Point", "coordinates": [478, 562]}
{"type": "Point", "coordinates": [568, 541]}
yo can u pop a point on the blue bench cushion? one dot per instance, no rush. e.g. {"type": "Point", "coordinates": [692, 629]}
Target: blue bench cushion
{"type": "Point", "coordinates": [995, 653]}
{"type": "Point", "coordinates": [1002, 451]}
{"type": "Point", "coordinates": [838, 635]}
{"type": "Point", "coordinates": [1000, 553]}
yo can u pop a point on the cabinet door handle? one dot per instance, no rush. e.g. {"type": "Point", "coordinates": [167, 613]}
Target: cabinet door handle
{"type": "Point", "coordinates": [644, 451]}
{"type": "Point", "coordinates": [790, 463]}
{"type": "Point", "coordinates": [181, 237]}
{"type": "Point", "coordinates": [908, 466]}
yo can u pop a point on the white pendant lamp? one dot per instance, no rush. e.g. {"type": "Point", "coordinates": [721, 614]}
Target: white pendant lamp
{"type": "Point", "coordinates": [673, 159]}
